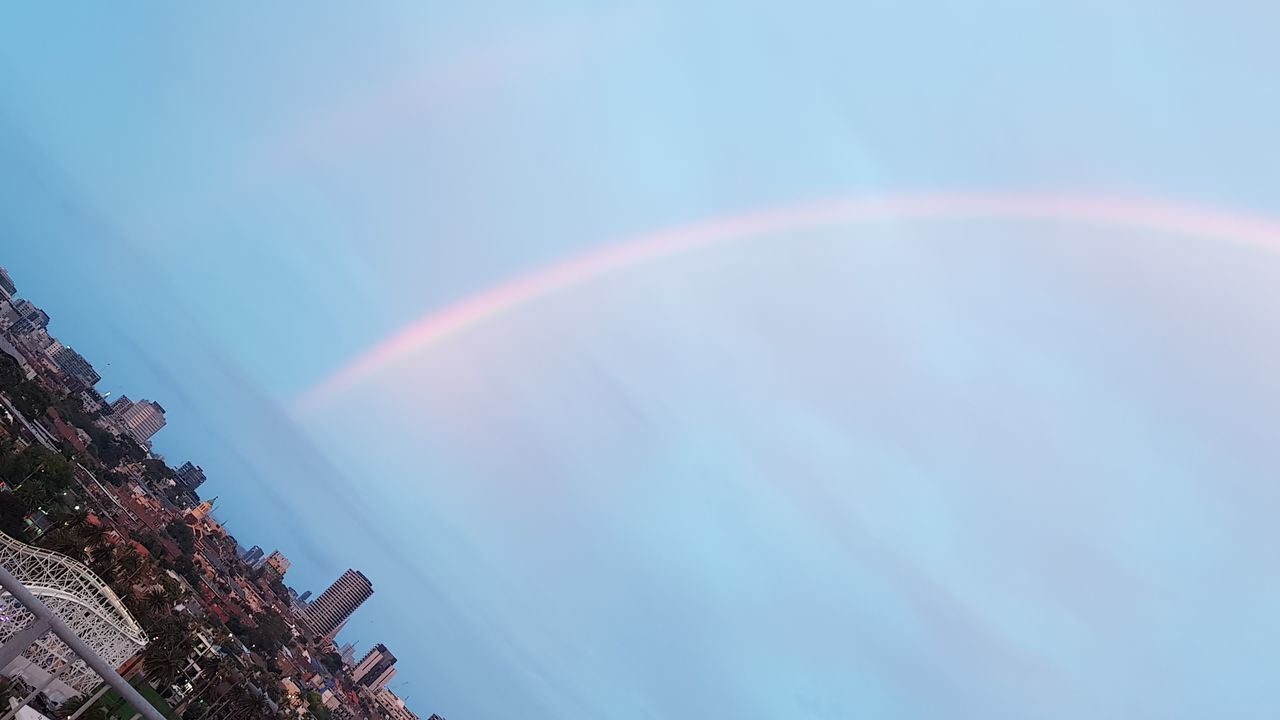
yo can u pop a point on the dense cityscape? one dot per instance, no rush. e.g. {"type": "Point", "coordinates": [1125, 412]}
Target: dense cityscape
{"type": "Point", "coordinates": [205, 627]}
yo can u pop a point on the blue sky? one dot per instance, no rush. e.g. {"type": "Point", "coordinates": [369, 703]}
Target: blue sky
{"type": "Point", "coordinates": [998, 468]}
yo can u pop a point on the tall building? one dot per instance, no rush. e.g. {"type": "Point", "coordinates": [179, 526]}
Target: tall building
{"type": "Point", "coordinates": [30, 318]}
{"type": "Point", "coordinates": [191, 475]}
{"type": "Point", "coordinates": [74, 364]}
{"type": "Point", "coordinates": [92, 400]}
{"type": "Point", "coordinates": [278, 562]}
{"type": "Point", "coordinates": [326, 614]}
{"type": "Point", "coordinates": [7, 288]}
{"type": "Point", "coordinates": [253, 555]}
{"type": "Point", "coordinates": [202, 510]}
{"type": "Point", "coordinates": [138, 420]}
{"type": "Point", "coordinates": [39, 341]}
{"type": "Point", "coordinates": [391, 707]}
{"type": "Point", "coordinates": [348, 653]}
{"type": "Point", "coordinates": [375, 669]}
{"type": "Point", "coordinates": [380, 682]}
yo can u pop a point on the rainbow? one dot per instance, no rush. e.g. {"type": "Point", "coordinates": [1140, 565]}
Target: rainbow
{"type": "Point", "coordinates": [629, 252]}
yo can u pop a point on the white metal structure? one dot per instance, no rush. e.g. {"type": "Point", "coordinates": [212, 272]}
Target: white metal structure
{"type": "Point", "coordinates": [79, 599]}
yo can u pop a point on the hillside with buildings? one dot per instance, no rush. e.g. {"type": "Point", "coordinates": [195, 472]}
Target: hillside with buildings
{"type": "Point", "coordinates": [229, 637]}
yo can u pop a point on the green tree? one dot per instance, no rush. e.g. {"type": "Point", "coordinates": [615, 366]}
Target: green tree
{"type": "Point", "coordinates": [277, 586]}
{"type": "Point", "coordinates": [182, 535]}
{"type": "Point", "coordinates": [31, 399]}
{"type": "Point", "coordinates": [166, 654]}
{"type": "Point", "coordinates": [155, 471]}
{"type": "Point", "coordinates": [127, 565]}
{"type": "Point", "coordinates": [102, 562]}
{"type": "Point", "coordinates": [187, 569]}
{"type": "Point", "coordinates": [270, 634]}
{"type": "Point", "coordinates": [10, 373]}
{"type": "Point", "coordinates": [38, 474]}
{"type": "Point", "coordinates": [65, 540]}
{"type": "Point", "coordinates": [150, 542]}
{"type": "Point", "coordinates": [157, 600]}
{"type": "Point", "coordinates": [70, 706]}
{"type": "Point", "coordinates": [332, 662]}
{"type": "Point", "coordinates": [13, 515]}
{"type": "Point", "coordinates": [213, 673]}
{"type": "Point", "coordinates": [315, 705]}
{"type": "Point", "coordinates": [33, 493]}
{"type": "Point", "coordinates": [7, 454]}
{"type": "Point", "coordinates": [105, 446]}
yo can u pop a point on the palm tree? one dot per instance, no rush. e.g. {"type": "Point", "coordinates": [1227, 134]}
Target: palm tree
{"type": "Point", "coordinates": [212, 674]}
{"type": "Point", "coordinates": [68, 708]}
{"type": "Point", "coordinates": [102, 561]}
{"type": "Point", "coordinates": [156, 602]}
{"type": "Point", "coordinates": [94, 535]}
{"type": "Point", "coordinates": [219, 707]}
{"type": "Point", "coordinates": [165, 657]}
{"type": "Point", "coordinates": [65, 540]}
{"type": "Point", "coordinates": [242, 704]}
{"type": "Point", "coordinates": [127, 565]}
{"type": "Point", "coordinates": [32, 493]}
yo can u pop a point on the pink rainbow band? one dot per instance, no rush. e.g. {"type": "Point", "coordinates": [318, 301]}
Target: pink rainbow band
{"type": "Point", "coordinates": [439, 325]}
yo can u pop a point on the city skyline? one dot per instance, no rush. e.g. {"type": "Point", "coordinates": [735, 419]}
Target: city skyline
{"type": "Point", "coordinates": [556, 322]}
{"type": "Point", "coordinates": [142, 420]}
{"type": "Point", "coordinates": [55, 373]}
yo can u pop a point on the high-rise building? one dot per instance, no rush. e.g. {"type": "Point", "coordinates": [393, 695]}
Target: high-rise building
{"type": "Point", "coordinates": [39, 341]}
{"type": "Point", "coordinates": [7, 288]}
{"type": "Point", "coordinates": [253, 555]}
{"type": "Point", "coordinates": [138, 420]}
{"type": "Point", "coordinates": [368, 660]}
{"type": "Point", "coordinates": [191, 475]}
{"type": "Point", "coordinates": [74, 364]}
{"type": "Point", "coordinates": [348, 653]}
{"type": "Point", "coordinates": [326, 614]}
{"type": "Point", "coordinates": [381, 680]}
{"type": "Point", "coordinates": [30, 318]}
{"type": "Point", "coordinates": [278, 562]}
{"type": "Point", "coordinates": [304, 597]}
{"type": "Point", "coordinates": [375, 669]}
{"type": "Point", "coordinates": [92, 400]}
{"type": "Point", "coordinates": [391, 707]}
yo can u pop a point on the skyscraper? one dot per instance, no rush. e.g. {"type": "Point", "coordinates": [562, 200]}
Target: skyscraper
{"type": "Point", "coordinates": [375, 669]}
{"type": "Point", "coordinates": [347, 652]}
{"type": "Point", "coordinates": [138, 420]}
{"type": "Point", "coordinates": [278, 562]}
{"type": "Point", "coordinates": [192, 476]}
{"type": "Point", "coordinates": [253, 555]}
{"type": "Point", "coordinates": [326, 614]}
{"type": "Point", "coordinates": [73, 363]}
{"type": "Point", "coordinates": [30, 318]}
{"type": "Point", "coordinates": [380, 681]}
{"type": "Point", "coordinates": [7, 288]}
{"type": "Point", "coordinates": [391, 707]}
